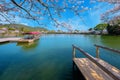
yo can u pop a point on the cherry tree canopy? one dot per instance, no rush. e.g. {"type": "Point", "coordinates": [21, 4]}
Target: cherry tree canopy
{"type": "Point", "coordinates": [113, 13]}
{"type": "Point", "coordinates": [51, 9]}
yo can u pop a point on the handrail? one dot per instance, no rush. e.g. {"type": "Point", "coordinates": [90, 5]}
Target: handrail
{"type": "Point", "coordinates": [82, 51]}
{"type": "Point", "coordinates": [103, 47]}
{"type": "Point", "coordinates": [115, 76]}
{"type": "Point", "coordinates": [111, 49]}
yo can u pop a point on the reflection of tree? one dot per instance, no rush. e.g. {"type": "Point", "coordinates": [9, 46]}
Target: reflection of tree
{"type": "Point", "coordinates": [4, 43]}
{"type": "Point", "coordinates": [111, 41]}
{"type": "Point", "coordinates": [28, 46]}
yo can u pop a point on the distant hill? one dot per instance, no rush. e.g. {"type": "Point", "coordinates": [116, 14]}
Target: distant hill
{"type": "Point", "coordinates": [22, 27]}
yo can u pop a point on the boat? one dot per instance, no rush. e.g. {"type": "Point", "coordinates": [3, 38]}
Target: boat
{"type": "Point", "coordinates": [29, 37]}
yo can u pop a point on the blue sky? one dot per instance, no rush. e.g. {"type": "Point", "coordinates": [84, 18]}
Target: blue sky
{"type": "Point", "coordinates": [87, 19]}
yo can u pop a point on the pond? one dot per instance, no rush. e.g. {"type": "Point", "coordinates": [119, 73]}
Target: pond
{"type": "Point", "coordinates": [50, 58]}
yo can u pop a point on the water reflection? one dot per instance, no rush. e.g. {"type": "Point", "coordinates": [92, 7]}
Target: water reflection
{"type": "Point", "coordinates": [28, 46]}
{"type": "Point", "coordinates": [3, 43]}
{"type": "Point", "coordinates": [111, 41]}
{"type": "Point", "coordinates": [104, 40]}
{"type": "Point", "coordinates": [50, 58]}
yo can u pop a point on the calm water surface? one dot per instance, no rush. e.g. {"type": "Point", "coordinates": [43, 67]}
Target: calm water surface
{"type": "Point", "coordinates": [50, 58]}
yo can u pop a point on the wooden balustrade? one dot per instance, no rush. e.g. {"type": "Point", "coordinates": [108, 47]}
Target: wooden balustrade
{"type": "Point", "coordinates": [109, 69]}
{"type": "Point", "coordinates": [106, 48]}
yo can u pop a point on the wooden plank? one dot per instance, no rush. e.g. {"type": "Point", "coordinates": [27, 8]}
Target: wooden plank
{"type": "Point", "coordinates": [112, 74]}
{"type": "Point", "coordinates": [73, 53]}
{"type": "Point", "coordinates": [3, 40]}
{"type": "Point", "coordinates": [97, 52]}
{"type": "Point", "coordinates": [25, 40]}
{"type": "Point", "coordinates": [109, 67]}
{"type": "Point", "coordinates": [90, 70]}
{"type": "Point", "coordinates": [9, 40]}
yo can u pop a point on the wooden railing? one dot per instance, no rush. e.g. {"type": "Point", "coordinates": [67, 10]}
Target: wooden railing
{"type": "Point", "coordinates": [96, 60]}
{"type": "Point", "coordinates": [110, 49]}
{"type": "Point", "coordinates": [82, 51]}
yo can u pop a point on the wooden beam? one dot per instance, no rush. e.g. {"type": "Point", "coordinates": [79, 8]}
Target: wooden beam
{"type": "Point", "coordinates": [97, 52]}
{"type": "Point", "coordinates": [110, 49]}
{"type": "Point", "coordinates": [74, 53]}
{"type": "Point", "coordinates": [90, 70]}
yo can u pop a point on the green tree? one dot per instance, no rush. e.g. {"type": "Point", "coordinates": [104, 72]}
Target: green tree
{"type": "Point", "coordinates": [101, 27]}
{"type": "Point", "coordinates": [76, 30]}
{"type": "Point", "coordinates": [90, 29]}
{"type": "Point", "coordinates": [10, 28]}
{"type": "Point", "coordinates": [114, 29]}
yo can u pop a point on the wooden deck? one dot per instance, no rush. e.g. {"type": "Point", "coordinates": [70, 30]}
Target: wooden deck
{"type": "Point", "coordinates": [2, 40]}
{"type": "Point", "coordinates": [27, 40]}
{"type": "Point", "coordinates": [95, 68]}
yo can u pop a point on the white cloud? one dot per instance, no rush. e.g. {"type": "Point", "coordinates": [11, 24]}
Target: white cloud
{"type": "Point", "coordinates": [25, 24]}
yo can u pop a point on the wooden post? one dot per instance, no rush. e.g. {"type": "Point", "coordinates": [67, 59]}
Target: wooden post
{"type": "Point", "coordinates": [97, 52]}
{"type": "Point", "coordinates": [73, 52]}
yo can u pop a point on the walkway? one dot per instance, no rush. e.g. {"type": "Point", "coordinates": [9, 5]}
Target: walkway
{"type": "Point", "coordinates": [2, 40]}
{"type": "Point", "coordinates": [95, 68]}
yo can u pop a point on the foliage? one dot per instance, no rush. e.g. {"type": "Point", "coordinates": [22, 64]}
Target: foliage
{"type": "Point", "coordinates": [51, 32]}
{"type": "Point", "coordinates": [10, 28]}
{"type": "Point", "coordinates": [111, 12]}
{"type": "Point", "coordinates": [22, 28]}
{"type": "Point", "coordinates": [51, 9]}
{"type": "Point", "coordinates": [76, 30]}
{"type": "Point", "coordinates": [90, 29]}
{"type": "Point", "coordinates": [114, 29]}
{"type": "Point", "coordinates": [101, 26]}
{"type": "Point", "coordinates": [38, 9]}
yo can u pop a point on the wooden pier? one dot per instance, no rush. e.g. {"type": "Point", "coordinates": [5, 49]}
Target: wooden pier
{"type": "Point", "coordinates": [95, 68]}
{"type": "Point", "coordinates": [3, 40]}
{"type": "Point", "coordinates": [22, 40]}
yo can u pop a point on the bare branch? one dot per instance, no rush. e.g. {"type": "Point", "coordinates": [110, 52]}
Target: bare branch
{"type": "Point", "coordinates": [23, 9]}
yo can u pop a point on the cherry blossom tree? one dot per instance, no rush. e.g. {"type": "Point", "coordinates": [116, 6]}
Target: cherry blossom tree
{"type": "Point", "coordinates": [37, 10]}
{"type": "Point", "coordinates": [113, 13]}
